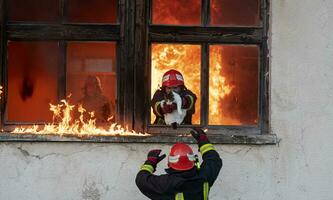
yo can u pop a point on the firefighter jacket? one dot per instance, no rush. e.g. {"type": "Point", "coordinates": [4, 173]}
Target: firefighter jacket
{"type": "Point", "coordinates": [160, 95]}
{"type": "Point", "coordinates": [193, 184]}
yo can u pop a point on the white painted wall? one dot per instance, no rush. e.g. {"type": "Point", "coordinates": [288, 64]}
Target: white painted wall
{"type": "Point", "coordinates": [300, 167]}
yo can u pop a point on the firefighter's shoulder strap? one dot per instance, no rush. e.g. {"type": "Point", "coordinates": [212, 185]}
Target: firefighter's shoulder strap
{"type": "Point", "coordinates": [180, 195]}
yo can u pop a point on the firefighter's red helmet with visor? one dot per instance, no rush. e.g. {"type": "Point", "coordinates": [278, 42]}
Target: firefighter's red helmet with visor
{"type": "Point", "coordinates": [181, 157]}
{"type": "Point", "coordinates": [172, 78]}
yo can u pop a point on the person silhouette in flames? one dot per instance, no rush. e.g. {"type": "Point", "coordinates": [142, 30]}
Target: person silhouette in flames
{"type": "Point", "coordinates": [94, 101]}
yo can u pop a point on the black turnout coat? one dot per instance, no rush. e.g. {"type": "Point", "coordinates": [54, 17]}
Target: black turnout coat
{"type": "Point", "coordinates": [190, 183]}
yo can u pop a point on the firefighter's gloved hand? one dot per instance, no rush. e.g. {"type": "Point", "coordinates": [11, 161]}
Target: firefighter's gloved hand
{"type": "Point", "coordinates": [154, 157]}
{"type": "Point", "coordinates": [200, 136]}
{"type": "Point", "coordinates": [169, 108]}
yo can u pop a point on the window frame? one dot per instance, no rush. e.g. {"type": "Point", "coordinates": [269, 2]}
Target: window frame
{"type": "Point", "coordinates": [133, 68]}
{"type": "Point", "coordinates": [63, 32]}
{"type": "Point", "coordinates": [206, 35]}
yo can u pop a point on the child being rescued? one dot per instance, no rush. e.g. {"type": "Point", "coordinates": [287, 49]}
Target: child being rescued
{"type": "Point", "coordinates": [173, 87]}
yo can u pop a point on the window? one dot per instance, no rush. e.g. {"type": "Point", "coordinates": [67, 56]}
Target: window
{"type": "Point", "coordinates": [220, 47]}
{"type": "Point", "coordinates": [124, 47]}
{"type": "Point", "coordinates": [51, 50]}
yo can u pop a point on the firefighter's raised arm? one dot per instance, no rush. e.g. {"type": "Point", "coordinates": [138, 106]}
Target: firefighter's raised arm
{"type": "Point", "coordinates": [212, 163]}
{"type": "Point", "coordinates": [149, 184]}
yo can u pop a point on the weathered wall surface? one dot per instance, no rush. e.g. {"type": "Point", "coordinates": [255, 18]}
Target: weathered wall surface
{"type": "Point", "coordinates": [300, 167]}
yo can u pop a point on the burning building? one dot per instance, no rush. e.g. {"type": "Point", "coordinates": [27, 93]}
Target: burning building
{"type": "Point", "coordinates": [88, 56]}
{"type": "Point", "coordinates": [85, 71]}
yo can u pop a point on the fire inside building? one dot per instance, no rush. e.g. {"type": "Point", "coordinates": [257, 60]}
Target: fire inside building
{"type": "Point", "coordinates": [91, 67]}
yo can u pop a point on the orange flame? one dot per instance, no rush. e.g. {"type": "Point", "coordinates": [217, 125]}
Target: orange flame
{"type": "Point", "coordinates": [218, 89]}
{"type": "Point", "coordinates": [68, 126]}
{"type": "Point", "coordinates": [187, 59]}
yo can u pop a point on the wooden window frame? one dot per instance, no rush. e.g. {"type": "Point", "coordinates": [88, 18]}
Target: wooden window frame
{"type": "Point", "coordinates": [203, 35]}
{"type": "Point", "coordinates": [64, 32]}
{"type": "Point", "coordinates": [134, 34]}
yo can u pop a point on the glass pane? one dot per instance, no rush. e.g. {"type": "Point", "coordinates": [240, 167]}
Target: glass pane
{"type": "Point", "coordinates": [30, 66]}
{"type": "Point", "coordinates": [184, 58]}
{"type": "Point", "coordinates": [97, 11]}
{"type": "Point", "coordinates": [92, 78]}
{"type": "Point", "coordinates": [233, 85]}
{"type": "Point", "coordinates": [178, 12]}
{"type": "Point", "coordinates": [235, 12]}
{"type": "Point", "coordinates": [34, 10]}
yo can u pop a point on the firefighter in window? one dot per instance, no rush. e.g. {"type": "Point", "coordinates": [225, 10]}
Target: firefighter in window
{"type": "Point", "coordinates": [94, 101]}
{"type": "Point", "coordinates": [173, 103]}
{"type": "Point", "coordinates": [186, 178]}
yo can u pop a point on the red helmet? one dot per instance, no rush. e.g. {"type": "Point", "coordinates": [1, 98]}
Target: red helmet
{"type": "Point", "coordinates": [172, 78]}
{"type": "Point", "coordinates": [181, 157]}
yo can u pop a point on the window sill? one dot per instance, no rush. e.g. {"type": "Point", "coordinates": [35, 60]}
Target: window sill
{"type": "Point", "coordinates": [262, 139]}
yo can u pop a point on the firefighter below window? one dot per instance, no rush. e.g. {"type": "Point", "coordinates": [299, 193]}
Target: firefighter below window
{"type": "Point", "coordinates": [173, 103]}
{"type": "Point", "coordinates": [186, 179]}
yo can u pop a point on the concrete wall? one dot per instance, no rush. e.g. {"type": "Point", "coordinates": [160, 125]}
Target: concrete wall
{"type": "Point", "coordinates": [300, 167]}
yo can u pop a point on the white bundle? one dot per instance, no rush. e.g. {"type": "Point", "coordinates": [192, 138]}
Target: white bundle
{"type": "Point", "coordinates": [177, 115]}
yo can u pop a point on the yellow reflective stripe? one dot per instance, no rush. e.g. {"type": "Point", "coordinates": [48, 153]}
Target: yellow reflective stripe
{"type": "Point", "coordinates": [148, 168]}
{"type": "Point", "coordinates": [192, 101]}
{"type": "Point", "coordinates": [205, 148]}
{"type": "Point", "coordinates": [197, 163]}
{"type": "Point", "coordinates": [205, 190]}
{"type": "Point", "coordinates": [156, 108]}
{"type": "Point", "coordinates": [179, 196]}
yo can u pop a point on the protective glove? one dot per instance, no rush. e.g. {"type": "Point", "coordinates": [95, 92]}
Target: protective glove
{"type": "Point", "coordinates": [154, 157]}
{"type": "Point", "coordinates": [168, 108]}
{"type": "Point", "coordinates": [200, 136]}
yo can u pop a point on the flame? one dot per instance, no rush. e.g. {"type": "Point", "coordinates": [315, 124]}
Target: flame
{"type": "Point", "coordinates": [218, 89]}
{"type": "Point", "coordinates": [1, 91]}
{"type": "Point", "coordinates": [187, 59]}
{"type": "Point", "coordinates": [64, 124]}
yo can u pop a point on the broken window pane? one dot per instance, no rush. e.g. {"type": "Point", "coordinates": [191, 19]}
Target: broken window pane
{"type": "Point", "coordinates": [34, 10]}
{"type": "Point", "coordinates": [92, 77]}
{"type": "Point", "coordinates": [32, 80]}
{"type": "Point", "coordinates": [97, 11]}
{"type": "Point", "coordinates": [184, 58]}
{"type": "Point", "coordinates": [235, 12]}
{"type": "Point", "coordinates": [178, 12]}
{"type": "Point", "coordinates": [233, 84]}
